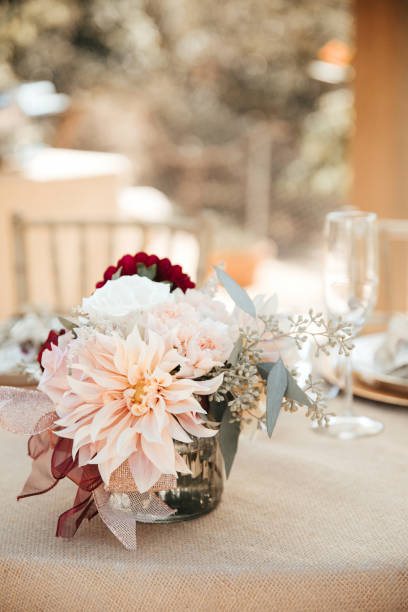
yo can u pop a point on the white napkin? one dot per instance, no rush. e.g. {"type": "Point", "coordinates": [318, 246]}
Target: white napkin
{"type": "Point", "coordinates": [392, 356]}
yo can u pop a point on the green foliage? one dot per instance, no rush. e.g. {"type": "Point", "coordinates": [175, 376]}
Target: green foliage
{"type": "Point", "coordinates": [117, 274]}
{"type": "Point", "coordinates": [236, 292]}
{"type": "Point", "coordinates": [150, 272]}
{"type": "Point", "coordinates": [233, 358]}
{"type": "Point", "coordinates": [295, 393]}
{"type": "Point", "coordinates": [292, 390]}
{"type": "Point", "coordinates": [228, 436]}
{"type": "Point", "coordinates": [68, 324]}
{"type": "Point", "coordinates": [275, 390]}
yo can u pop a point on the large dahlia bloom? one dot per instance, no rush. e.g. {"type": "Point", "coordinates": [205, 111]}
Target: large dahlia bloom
{"type": "Point", "coordinates": [120, 400]}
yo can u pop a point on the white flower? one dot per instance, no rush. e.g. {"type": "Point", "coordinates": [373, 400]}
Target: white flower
{"type": "Point", "coordinates": [121, 301]}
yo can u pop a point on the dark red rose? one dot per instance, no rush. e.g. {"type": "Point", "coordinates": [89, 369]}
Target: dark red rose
{"type": "Point", "coordinates": [52, 339]}
{"type": "Point", "coordinates": [165, 271]}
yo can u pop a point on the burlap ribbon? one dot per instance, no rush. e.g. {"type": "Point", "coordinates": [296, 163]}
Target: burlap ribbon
{"type": "Point", "coordinates": [120, 505]}
{"type": "Point", "coordinates": [24, 411]}
{"type": "Point", "coordinates": [121, 511]}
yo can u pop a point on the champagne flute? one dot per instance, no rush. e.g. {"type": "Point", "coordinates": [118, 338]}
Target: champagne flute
{"type": "Point", "coordinates": [350, 293]}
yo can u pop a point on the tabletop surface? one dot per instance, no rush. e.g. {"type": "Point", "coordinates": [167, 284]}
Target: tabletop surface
{"type": "Point", "coordinates": [306, 523]}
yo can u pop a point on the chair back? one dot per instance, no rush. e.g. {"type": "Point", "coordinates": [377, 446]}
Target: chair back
{"type": "Point", "coordinates": [58, 261]}
{"type": "Point", "coordinates": [393, 271]}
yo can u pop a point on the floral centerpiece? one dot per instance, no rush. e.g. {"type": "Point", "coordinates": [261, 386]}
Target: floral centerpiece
{"type": "Point", "coordinates": [142, 395]}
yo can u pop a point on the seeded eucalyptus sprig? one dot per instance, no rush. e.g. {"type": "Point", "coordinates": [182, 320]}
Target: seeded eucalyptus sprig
{"type": "Point", "coordinates": [326, 334]}
{"type": "Point", "coordinates": [246, 377]}
{"type": "Point", "coordinates": [241, 379]}
{"type": "Point", "coordinates": [316, 411]}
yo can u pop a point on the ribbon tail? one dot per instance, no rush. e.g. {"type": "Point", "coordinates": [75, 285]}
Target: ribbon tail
{"type": "Point", "coordinates": [40, 443]}
{"type": "Point", "coordinates": [70, 520]}
{"type": "Point", "coordinates": [121, 511]}
{"type": "Point", "coordinates": [147, 507]}
{"type": "Point", "coordinates": [41, 479]}
{"type": "Point", "coordinates": [121, 524]}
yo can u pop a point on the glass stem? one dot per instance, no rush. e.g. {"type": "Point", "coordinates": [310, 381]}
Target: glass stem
{"type": "Point", "coordinates": [348, 388]}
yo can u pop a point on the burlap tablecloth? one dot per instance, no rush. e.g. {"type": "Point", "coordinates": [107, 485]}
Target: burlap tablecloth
{"type": "Point", "coordinates": [306, 523]}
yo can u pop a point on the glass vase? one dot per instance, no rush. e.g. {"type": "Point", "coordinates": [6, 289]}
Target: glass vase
{"type": "Point", "coordinates": [199, 492]}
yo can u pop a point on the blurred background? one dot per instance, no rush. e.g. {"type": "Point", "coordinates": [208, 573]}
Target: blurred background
{"type": "Point", "coordinates": [197, 96]}
{"type": "Point", "coordinates": [205, 131]}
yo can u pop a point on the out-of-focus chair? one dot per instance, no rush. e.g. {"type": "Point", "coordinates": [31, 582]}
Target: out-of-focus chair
{"type": "Point", "coordinates": [58, 183]}
{"type": "Point", "coordinates": [58, 261]}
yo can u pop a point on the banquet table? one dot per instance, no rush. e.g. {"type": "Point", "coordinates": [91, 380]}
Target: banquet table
{"type": "Point", "coordinates": [306, 523]}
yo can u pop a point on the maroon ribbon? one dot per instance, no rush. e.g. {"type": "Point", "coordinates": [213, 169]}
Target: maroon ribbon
{"type": "Point", "coordinates": [32, 412]}
{"type": "Point", "coordinates": [52, 461]}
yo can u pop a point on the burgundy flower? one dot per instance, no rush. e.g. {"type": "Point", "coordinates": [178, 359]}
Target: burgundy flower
{"type": "Point", "coordinates": [52, 339]}
{"type": "Point", "coordinates": [164, 271]}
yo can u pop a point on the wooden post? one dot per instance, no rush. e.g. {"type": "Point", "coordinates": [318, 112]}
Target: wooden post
{"type": "Point", "coordinates": [380, 144]}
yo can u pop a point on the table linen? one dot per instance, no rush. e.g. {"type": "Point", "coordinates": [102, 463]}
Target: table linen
{"type": "Point", "coordinates": [305, 523]}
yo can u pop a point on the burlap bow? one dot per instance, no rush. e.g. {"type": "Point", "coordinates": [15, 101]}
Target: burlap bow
{"type": "Point", "coordinates": [120, 505]}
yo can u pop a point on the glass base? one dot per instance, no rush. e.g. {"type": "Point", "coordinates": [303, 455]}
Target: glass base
{"type": "Point", "coordinates": [200, 491]}
{"type": "Point", "coordinates": [177, 518]}
{"type": "Point", "coordinates": [350, 427]}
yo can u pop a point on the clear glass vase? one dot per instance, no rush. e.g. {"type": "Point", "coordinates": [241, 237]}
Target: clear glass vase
{"type": "Point", "coordinates": [199, 492]}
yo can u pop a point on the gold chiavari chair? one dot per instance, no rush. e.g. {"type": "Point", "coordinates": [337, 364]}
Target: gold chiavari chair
{"type": "Point", "coordinates": [58, 261]}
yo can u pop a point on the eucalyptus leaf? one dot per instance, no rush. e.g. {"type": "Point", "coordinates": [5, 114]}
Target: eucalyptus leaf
{"type": "Point", "coordinates": [275, 391]}
{"type": "Point", "coordinates": [68, 324]}
{"type": "Point", "coordinates": [117, 273]}
{"type": "Point", "coordinates": [233, 358]}
{"type": "Point", "coordinates": [264, 368]}
{"type": "Point", "coordinates": [228, 436]}
{"type": "Point", "coordinates": [148, 271]}
{"type": "Point", "coordinates": [236, 292]}
{"type": "Point", "coordinates": [294, 392]}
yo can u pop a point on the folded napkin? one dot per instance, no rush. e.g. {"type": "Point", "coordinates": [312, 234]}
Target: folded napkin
{"type": "Point", "coordinates": [392, 355]}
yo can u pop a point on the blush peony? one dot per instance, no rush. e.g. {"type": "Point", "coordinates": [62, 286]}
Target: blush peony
{"type": "Point", "coordinates": [205, 347]}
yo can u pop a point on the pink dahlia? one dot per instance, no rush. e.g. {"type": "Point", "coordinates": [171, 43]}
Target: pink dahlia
{"type": "Point", "coordinates": [122, 401]}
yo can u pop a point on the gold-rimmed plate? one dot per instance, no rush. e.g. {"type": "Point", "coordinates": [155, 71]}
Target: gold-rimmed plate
{"type": "Point", "coordinates": [378, 393]}
{"type": "Point", "coordinates": [369, 371]}
{"type": "Point", "coordinates": [331, 371]}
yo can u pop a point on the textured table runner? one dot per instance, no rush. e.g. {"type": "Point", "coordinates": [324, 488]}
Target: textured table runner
{"type": "Point", "coordinates": [306, 523]}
